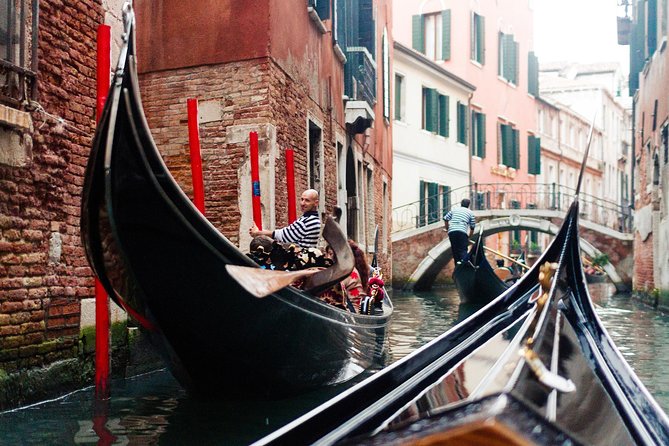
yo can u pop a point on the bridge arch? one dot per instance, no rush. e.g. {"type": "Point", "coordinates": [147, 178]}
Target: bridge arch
{"type": "Point", "coordinates": [438, 257]}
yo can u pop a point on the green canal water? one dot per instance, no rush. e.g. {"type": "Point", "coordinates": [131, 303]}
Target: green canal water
{"type": "Point", "coordinates": [152, 409]}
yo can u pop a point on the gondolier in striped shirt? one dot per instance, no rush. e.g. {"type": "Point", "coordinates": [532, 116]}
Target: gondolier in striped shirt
{"type": "Point", "coordinates": [304, 231]}
{"type": "Point", "coordinates": [459, 223]}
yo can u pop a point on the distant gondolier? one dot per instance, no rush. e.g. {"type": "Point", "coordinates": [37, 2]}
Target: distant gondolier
{"type": "Point", "coordinates": [305, 230]}
{"type": "Point", "coordinates": [459, 223]}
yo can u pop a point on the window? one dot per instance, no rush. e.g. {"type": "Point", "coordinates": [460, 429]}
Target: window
{"type": "Point", "coordinates": [435, 201]}
{"type": "Point", "coordinates": [533, 155]}
{"type": "Point", "coordinates": [509, 152]}
{"type": "Point", "coordinates": [478, 133]}
{"type": "Point", "coordinates": [322, 8]}
{"type": "Point", "coordinates": [478, 39]}
{"type": "Point", "coordinates": [18, 20]}
{"type": "Point", "coordinates": [435, 112]}
{"type": "Point", "coordinates": [399, 97]}
{"type": "Point", "coordinates": [315, 155]}
{"type": "Point", "coordinates": [508, 58]}
{"type": "Point", "coordinates": [431, 34]}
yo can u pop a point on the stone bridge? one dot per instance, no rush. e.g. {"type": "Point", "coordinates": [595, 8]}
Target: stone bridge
{"type": "Point", "coordinates": [421, 256]}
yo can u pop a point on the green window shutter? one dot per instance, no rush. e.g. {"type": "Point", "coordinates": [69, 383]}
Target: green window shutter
{"type": "Point", "coordinates": [443, 115]}
{"type": "Point", "coordinates": [500, 53]}
{"type": "Point", "coordinates": [507, 48]}
{"type": "Point", "coordinates": [481, 40]}
{"type": "Point", "coordinates": [398, 97]}
{"type": "Point", "coordinates": [472, 38]}
{"type": "Point", "coordinates": [431, 110]}
{"type": "Point", "coordinates": [515, 53]}
{"type": "Point", "coordinates": [651, 35]}
{"type": "Point", "coordinates": [462, 123]}
{"type": "Point", "coordinates": [516, 149]}
{"type": "Point", "coordinates": [446, 34]}
{"type": "Point", "coordinates": [532, 74]}
{"type": "Point", "coordinates": [482, 135]}
{"type": "Point", "coordinates": [445, 199]}
{"type": "Point", "coordinates": [537, 155]}
{"type": "Point", "coordinates": [531, 155]}
{"type": "Point", "coordinates": [448, 116]}
{"type": "Point", "coordinates": [418, 33]}
{"type": "Point", "coordinates": [506, 145]}
{"type": "Point", "coordinates": [421, 204]}
{"type": "Point", "coordinates": [432, 202]}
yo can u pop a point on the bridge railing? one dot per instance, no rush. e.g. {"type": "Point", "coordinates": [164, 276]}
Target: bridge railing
{"type": "Point", "coordinates": [483, 196]}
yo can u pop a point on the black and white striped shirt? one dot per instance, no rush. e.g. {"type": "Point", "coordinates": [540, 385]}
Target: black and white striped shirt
{"type": "Point", "coordinates": [460, 219]}
{"type": "Point", "coordinates": [304, 231]}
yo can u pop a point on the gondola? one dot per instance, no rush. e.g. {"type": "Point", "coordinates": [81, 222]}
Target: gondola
{"type": "Point", "coordinates": [160, 259]}
{"type": "Point", "coordinates": [476, 280]}
{"type": "Point", "coordinates": [533, 367]}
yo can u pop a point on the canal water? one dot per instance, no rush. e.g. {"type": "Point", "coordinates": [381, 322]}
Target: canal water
{"type": "Point", "coordinates": [152, 409]}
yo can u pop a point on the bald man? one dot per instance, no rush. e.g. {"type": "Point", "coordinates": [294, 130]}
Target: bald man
{"type": "Point", "coordinates": [305, 230]}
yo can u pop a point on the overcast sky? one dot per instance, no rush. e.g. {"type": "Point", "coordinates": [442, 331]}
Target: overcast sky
{"type": "Point", "coordinates": [578, 31]}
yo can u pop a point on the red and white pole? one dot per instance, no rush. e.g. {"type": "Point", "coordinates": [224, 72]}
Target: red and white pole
{"type": "Point", "coordinates": [255, 180]}
{"type": "Point", "coordinates": [102, 331]}
{"type": "Point", "coordinates": [290, 180]}
{"type": "Point", "coordinates": [195, 157]}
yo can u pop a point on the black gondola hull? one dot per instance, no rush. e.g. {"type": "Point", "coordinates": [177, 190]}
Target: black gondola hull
{"type": "Point", "coordinates": [160, 259]}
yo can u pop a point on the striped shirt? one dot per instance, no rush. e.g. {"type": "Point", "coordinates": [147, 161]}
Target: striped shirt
{"type": "Point", "coordinates": [304, 231]}
{"type": "Point", "coordinates": [460, 219]}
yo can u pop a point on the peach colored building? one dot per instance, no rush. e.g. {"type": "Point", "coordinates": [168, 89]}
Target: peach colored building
{"type": "Point", "coordinates": [488, 44]}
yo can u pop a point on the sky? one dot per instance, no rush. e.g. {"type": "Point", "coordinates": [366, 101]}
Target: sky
{"type": "Point", "coordinates": [578, 31]}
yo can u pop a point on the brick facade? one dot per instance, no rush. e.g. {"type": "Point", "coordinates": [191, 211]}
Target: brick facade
{"type": "Point", "coordinates": [43, 270]}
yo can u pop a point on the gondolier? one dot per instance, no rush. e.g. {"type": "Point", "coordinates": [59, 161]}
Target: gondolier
{"type": "Point", "coordinates": [459, 222]}
{"type": "Point", "coordinates": [304, 231]}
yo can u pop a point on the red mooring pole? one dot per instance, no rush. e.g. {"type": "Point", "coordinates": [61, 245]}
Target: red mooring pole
{"type": "Point", "coordinates": [255, 180]}
{"type": "Point", "coordinates": [195, 157]}
{"type": "Point", "coordinates": [290, 180]}
{"type": "Point", "coordinates": [102, 332]}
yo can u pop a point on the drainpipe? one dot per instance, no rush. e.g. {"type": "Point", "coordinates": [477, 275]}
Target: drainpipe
{"type": "Point", "coordinates": [559, 144]}
{"type": "Point", "coordinates": [633, 154]}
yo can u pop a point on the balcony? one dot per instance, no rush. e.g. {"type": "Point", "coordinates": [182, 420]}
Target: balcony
{"type": "Point", "coordinates": [359, 88]}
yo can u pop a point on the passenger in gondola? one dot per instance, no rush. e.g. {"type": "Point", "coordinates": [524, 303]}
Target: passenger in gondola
{"type": "Point", "coordinates": [350, 292]}
{"type": "Point", "coordinates": [304, 231]}
{"type": "Point", "coordinates": [460, 223]}
{"type": "Point", "coordinates": [270, 254]}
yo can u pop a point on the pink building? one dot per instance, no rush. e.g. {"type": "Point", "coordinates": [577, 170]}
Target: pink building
{"type": "Point", "coordinates": [488, 44]}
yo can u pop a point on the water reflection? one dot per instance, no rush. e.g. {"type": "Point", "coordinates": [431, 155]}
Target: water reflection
{"type": "Point", "coordinates": [153, 409]}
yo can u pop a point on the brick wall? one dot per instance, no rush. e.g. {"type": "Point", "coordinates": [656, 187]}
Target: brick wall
{"type": "Point", "coordinates": [43, 271]}
{"type": "Point", "coordinates": [250, 93]}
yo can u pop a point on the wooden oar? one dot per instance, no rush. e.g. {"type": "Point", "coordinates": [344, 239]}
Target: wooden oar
{"type": "Point", "coordinates": [503, 256]}
{"type": "Point", "coordinates": [263, 282]}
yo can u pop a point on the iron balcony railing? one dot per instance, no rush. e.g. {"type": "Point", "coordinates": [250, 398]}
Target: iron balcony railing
{"type": "Point", "coordinates": [485, 196]}
{"type": "Point", "coordinates": [360, 75]}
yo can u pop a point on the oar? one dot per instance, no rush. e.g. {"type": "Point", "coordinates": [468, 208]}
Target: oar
{"type": "Point", "coordinates": [504, 256]}
{"type": "Point", "coordinates": [376, 247]}
{"type": "Point", "coordinates": [263, 282]}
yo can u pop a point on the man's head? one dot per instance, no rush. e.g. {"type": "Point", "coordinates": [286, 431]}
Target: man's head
{"type": "Point", "coordinates": [465, 203]}
{"type": "Point", "coordinates": [309, 200]}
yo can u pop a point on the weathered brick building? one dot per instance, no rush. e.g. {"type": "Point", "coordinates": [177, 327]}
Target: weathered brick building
{"type": "Point", "coordinates": [47, 119]}
{"type": "Point", "coordinates": [289, 71]}
{"type": "Point", "coordinates": [648, 67]}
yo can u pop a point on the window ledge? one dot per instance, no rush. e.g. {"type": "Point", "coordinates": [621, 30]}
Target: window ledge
{"type": "Point", "coordinates": [476, 63]}
{"type": "Point", "coordinates": [313, 15]}
{"type": "Point", "coordinates": [339, 53]}
{"type": "Point", "coordinates": [16, 119]}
